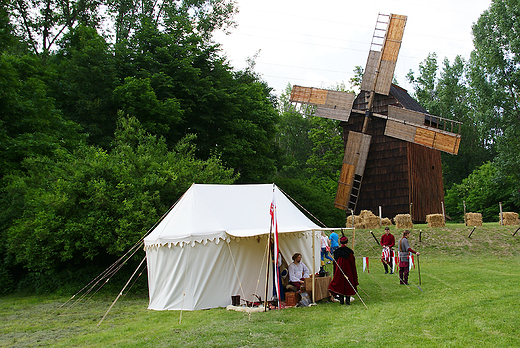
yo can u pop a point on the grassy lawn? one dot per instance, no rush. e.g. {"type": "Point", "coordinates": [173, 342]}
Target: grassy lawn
{"type": "Point", "coordinates": [469, 298]}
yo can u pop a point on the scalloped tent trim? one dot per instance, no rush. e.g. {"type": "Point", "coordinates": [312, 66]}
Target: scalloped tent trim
{"type": "Point", "coordinates": [217, 239]}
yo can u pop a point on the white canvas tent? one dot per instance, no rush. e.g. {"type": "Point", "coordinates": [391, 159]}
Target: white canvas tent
{"type": "Point", "coordinates": [213, 245]}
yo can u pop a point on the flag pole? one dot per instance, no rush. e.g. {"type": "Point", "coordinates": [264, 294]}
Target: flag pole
{"type": "Point", "coordinates": [268, 264]}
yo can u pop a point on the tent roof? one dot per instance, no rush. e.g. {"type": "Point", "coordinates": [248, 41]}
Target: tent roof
{"type": "Point", "coordinates": [213, 212]}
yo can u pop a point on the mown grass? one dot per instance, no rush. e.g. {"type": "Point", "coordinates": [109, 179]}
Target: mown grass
{"type": "Point", "coordinates": [469, 298]}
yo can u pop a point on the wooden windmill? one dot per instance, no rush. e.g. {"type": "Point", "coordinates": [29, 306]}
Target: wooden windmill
{"type": "Point", "coordinates": [410, 124]}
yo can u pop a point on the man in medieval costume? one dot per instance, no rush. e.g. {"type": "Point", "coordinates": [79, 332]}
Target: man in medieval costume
{"type": "Point", "coordinates": [404, 258]}
{"type": "Point", "coordinates": [345, 279]}
{"type": "Point", "coordinates": [387, 255]}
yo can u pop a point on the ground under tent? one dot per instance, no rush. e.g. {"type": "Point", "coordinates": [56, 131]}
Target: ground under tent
{"type": "Point", "coordinates": [212, 245]}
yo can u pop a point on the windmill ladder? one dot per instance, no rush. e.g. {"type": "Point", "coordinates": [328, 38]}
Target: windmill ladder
{"type": "Point", "coordinates": [354, 192]}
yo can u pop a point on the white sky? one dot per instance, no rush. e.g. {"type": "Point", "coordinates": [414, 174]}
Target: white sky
{"type": "Point", "coordinates": [318, 43]}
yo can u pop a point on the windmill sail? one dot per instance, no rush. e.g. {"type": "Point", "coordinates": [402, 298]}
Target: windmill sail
{"type": "Point", "coordinates": [412, 126]}
{"type": "Point", "coordinates": [381, 63]}
{"type": "Point", "coordinates": [335, 105]}
{"type": "Point", "coordinates": [349, 184]}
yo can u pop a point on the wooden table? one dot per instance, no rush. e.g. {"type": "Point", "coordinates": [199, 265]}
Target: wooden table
{"type": "Point", "coordinates": [321, 286]}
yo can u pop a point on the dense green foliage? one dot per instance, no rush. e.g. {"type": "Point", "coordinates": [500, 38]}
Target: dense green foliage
{"type": "Point", "coordinates": [483, 93]}
{"type": "Point", "coordinates": [100, 137]}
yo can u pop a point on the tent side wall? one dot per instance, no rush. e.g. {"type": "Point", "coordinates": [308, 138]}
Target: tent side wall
{"type": "Point", "coordinates": [207, 275]}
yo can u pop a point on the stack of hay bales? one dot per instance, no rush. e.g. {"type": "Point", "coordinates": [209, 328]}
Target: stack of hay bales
{"type": "Point", "coordinates": [386, 222]}
{"type": "Point", "coordinates": [473, 219]}
{"type": "Point", "coordinates": [358, 222]}
{"type": "Point", "coordinates": [369, 219]}
{"type": "Point", "coordinates": [510, 219]}
{"type": "Point", "coordinates": [366, 219]}
{"type": "Point", "coordinates": [403, 221]}
{"type": "Point", "coordinates": [435, 220]}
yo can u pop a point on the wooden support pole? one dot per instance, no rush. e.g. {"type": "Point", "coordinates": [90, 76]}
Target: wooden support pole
{"type": "Point", "coordinates": [465, 222]}
{"type": "Point", "coordinates": [501, 216]}
{"type": "Point", "coordinates": [472, 231]}
{"type": "Point", "coordinates": [515, 231]}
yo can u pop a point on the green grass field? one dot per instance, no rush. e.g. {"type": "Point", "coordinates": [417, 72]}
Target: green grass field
{"type": "Point", "coordinates": [469, 298]}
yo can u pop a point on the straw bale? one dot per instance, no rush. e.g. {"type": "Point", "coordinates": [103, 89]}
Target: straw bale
{"type": "Point", "coordinates": [365, 219]}
{"type": "Point", "coordinates": [365, 213]}
{"type": "Point", "coordinates": [386, 222]}
{"type": "Point", "coordinates": [403, 221]}
{"type": "Point", "coordinates": [435, 220]}
{"type": "Point", "coordinates": [473, 219]}
{"type": "Point", "coordinates": [358, 222]}
{"type": "Point", "coordinates": [371, 221]}
{"type": "Point", "coordinates": [510, 219]}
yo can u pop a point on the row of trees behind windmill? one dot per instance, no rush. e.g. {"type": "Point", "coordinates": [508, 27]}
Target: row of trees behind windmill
{"type": "Point", "coordinates": [101, 136]}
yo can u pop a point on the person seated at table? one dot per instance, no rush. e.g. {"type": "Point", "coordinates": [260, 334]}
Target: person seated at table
{"type": "Point", "coordinates": [297, 271]}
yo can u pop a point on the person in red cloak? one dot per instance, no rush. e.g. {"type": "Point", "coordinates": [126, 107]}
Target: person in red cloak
{"type": "Point", "coordinates": [344, 265]}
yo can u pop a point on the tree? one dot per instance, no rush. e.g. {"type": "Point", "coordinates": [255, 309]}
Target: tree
{"type": "Point", "coordinates": [447, 94]}
{"type": "Point", "coordinates": [496, 79]}
{"type": "Point", "coordinates": [201, 17]}
{"type": "Point", "coordinates": [89, 206]}
{"type": "Point", "coordinates": [44, 23]}
{"type": "Point", "coordinates": [83, 83]}
{"type": "Point", "coordinates": [30, 124]}
{"type": "Point", "coordinates": [482, 191]}
{"type": "Point", "coordinates": [292, 137]}
{"type": "Point", "coordinates": [7, 37]}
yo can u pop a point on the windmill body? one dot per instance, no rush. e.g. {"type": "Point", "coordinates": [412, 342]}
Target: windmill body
{"type": "Point", "coordinates": [392, 144]}
{"type": "Point", "coordinates": [397, 172]}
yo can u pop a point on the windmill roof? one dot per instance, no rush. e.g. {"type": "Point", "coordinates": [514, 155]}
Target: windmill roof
{"type": "Point", "coordinates": [405, 99]}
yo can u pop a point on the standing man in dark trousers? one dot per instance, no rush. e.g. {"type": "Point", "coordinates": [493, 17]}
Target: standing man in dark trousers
{"type": "Point", "coordinates": [404, 255]}
{"type": "Point", "coordinates": [345, 279]}
{"type": "Point", "coordinates": [387, 255]}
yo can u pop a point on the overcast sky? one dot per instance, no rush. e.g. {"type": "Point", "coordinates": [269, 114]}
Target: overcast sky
{"type": "Point", "coordinates": [318, 43]}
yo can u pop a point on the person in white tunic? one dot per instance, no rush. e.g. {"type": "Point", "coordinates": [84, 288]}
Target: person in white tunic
{"type": "Point", "coordinates": [297, 271]}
